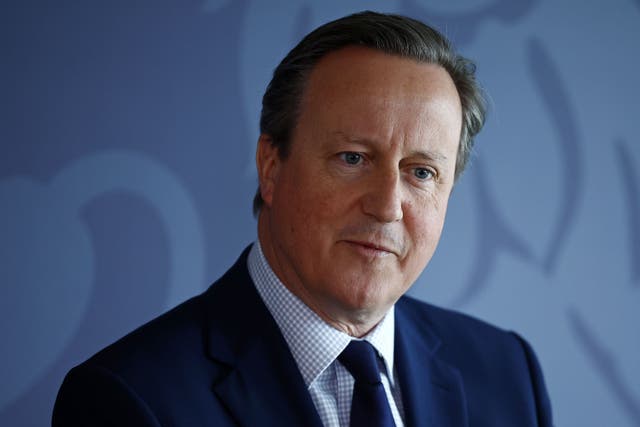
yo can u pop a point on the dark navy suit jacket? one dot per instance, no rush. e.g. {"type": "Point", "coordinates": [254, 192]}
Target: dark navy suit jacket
{"type": "Point", "coordinates": [219, 359]}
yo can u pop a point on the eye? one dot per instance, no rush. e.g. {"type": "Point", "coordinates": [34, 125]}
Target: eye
{"type": "Point", "coordinates": [423, 173]}
{"type": "Point", "coordinates": [351, 158]}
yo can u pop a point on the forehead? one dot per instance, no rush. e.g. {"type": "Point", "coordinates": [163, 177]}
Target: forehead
{"type": "Point", "coordinates": [370, 71]}
{"type": "Point", "coordinates": [366, 91]}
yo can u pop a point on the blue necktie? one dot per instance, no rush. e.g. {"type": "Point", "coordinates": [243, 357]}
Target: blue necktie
{"type": "Point", "coordinates": [369, 405]}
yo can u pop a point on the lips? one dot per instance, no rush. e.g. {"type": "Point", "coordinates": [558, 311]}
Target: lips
{"type": "Point", "coordinates": [374, 239]}
{"type": "Point", "coordinates": [374, 246]}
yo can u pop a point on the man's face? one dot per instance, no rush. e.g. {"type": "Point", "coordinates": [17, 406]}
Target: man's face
{"type": "Point", "coordinates": [354, 213]}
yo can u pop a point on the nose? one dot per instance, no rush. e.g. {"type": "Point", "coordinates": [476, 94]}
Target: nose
{"type": "Point", "coordinates": [383, 200]}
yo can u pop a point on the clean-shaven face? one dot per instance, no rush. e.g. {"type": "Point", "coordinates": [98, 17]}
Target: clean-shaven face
{"type": "Point", "coordinates": [353, 215]}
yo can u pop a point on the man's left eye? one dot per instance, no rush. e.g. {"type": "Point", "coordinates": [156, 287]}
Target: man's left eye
{"type": "Point", "coordinates": [351, 158]}
{"type": "Point", "coordinates": [423, 173]}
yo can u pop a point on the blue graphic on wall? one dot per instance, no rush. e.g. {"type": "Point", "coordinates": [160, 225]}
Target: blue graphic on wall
{"type": "Point", "coordinates": [48, 254]}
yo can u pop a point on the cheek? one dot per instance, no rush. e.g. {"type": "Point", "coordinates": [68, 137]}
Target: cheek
{"type": "Point", "coordinates": [425, 229]}
{"type": "Point", "coordinates": [323, 204]}
{"type": "Point", "coordinates": [309, 212]}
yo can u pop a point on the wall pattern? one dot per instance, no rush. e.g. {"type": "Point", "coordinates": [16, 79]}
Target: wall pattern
{"type": "Point", "coordinates": [126, 178]}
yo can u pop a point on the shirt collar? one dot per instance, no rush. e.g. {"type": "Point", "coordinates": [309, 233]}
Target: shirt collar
{"type": "Point", "coordinates": [314, 344]}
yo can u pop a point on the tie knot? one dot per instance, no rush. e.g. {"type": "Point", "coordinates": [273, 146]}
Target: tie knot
{"type": "Point", "coordinates": [361, 361]}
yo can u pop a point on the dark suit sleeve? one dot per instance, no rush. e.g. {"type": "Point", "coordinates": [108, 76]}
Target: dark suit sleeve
{"type": "Point", "coordinates": [543, 405]}
{"type": "Point", "coordinates": [94, 396]}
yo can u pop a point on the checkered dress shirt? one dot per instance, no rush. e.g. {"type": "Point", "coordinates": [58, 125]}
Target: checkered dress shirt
{"type": "Point", "coordinates": [315, 346]}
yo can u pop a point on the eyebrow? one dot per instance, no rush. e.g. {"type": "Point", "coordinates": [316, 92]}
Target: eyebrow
{"type": "Point", "coordinates": [425, 154]}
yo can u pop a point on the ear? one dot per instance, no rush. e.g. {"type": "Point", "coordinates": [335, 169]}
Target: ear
{"type": "Point", "coordinates": [268, 165]}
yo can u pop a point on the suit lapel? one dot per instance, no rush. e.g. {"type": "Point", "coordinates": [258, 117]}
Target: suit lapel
{"type": "Point", "coordinates": [263, 385]}
{"type": "Point", "coordinates": [432, 390]}
{"type": "Point", "coordinates": [265, 389]}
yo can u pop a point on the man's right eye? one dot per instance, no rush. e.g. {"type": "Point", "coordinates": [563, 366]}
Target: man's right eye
{"type": "Point", "coordinates": [351, 158]}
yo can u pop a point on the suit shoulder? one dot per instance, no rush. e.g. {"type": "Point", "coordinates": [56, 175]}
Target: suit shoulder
{"type": "Point", "coordinates": [489, 360]}
{"type": "Point", "coordinates": [447, 322]}
{"type": "Point", "coordinates": [159, 341]}
{"type": "Point", "coordinates": [463, 337]}
{"type": "Point", "coordinates": [179, 336]}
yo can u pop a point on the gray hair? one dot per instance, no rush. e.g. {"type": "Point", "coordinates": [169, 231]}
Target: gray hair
{"type": "Point", "coordinates": [392, 34]}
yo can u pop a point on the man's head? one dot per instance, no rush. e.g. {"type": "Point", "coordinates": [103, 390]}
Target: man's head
{"type": "Point", "coordinates": [355, 187]}
{"type": "Point", "coordinates": [392, 34]}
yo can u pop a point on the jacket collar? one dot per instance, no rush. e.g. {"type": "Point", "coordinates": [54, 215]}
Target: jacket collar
{"type": "Point", "coordinates": [263, 385]}
{"type": "Point", "coordinates": [432, 390]}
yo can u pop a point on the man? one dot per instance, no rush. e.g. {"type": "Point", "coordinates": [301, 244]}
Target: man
{"type": "Point", "coordinates": [365, 127]}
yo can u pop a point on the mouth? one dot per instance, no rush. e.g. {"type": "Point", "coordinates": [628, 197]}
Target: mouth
{"type": "Point", "coordinates": [372, 248]}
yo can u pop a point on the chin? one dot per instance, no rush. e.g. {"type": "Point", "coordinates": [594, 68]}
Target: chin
{"type": "Point", "coordinates": [372, 296]}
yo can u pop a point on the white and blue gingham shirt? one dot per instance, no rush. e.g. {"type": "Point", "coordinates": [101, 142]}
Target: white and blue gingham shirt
{"type": "Point", "coordinates": [315, 346]}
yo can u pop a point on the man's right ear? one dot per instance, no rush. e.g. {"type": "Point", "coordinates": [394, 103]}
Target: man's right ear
{"type": "Point", "coordinates": [268, 165]}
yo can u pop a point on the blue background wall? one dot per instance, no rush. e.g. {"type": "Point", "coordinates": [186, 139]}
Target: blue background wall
{"type": "Point", "coordinates": [126, 178]}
